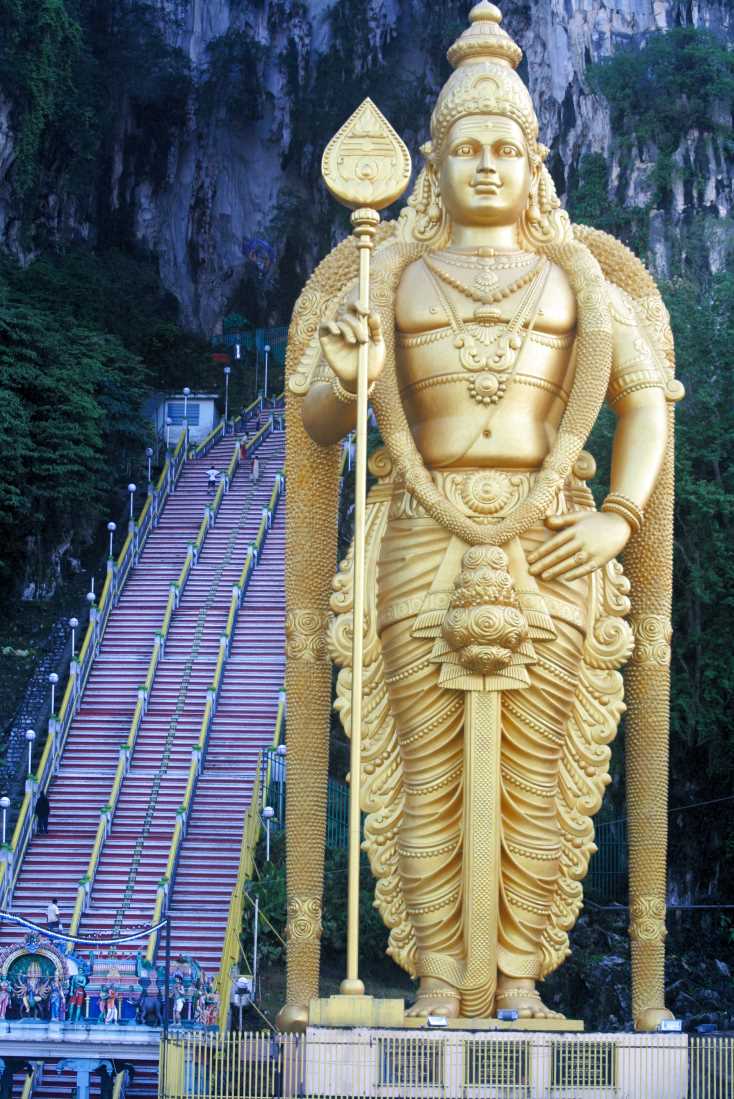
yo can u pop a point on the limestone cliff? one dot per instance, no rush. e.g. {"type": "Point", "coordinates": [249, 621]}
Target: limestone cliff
{"type": "Point", "coordinates": [272, 79]}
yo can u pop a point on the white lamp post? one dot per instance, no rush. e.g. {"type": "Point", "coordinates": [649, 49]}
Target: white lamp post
{"type": "Point", "coordinates": [169, 421]}
{"type": "Point", "coordinates": [268, 814]}
{"type": "Point", "coordinates": [111, 527]}
{"type": "Point", "coordinates": [73, 622]}
{"type": "Point", "coordinates": [186, 395]}
{"type": "Point", "coordinates": [149, 456]}
{"type": "Point", "coordinates": [4, 805]}
{"type": "Point", "coordinates": [267, 359]}
{"type": "Point", "coordinates": [227, 372]}
{"type": "Point", "coordinates": [30, 737]}
{"type": "Point", "coordinates": [132, 489]}
{"type": "Point", "coordinates": [53, 680]}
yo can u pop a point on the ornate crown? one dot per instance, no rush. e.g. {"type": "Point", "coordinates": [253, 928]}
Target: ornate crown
{"type": "Point", "coordinates": [485, 81]}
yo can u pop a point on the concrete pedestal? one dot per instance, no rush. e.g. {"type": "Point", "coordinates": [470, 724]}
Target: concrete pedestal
{"type": "Point", "coordinates": [456, 1064]}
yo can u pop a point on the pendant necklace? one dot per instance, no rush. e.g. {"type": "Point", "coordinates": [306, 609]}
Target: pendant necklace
{"type": "Point", "coordinates": [491, 370]}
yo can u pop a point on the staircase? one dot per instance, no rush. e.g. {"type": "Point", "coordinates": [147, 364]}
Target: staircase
{"type": "Point", "coordinates": [54, 863]}
{"type": "Point", "coordinates": [242, 727]}
{"type": "Point", "coordinates": [134, 855]}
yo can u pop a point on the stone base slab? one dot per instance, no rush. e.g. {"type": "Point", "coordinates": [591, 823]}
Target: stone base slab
{"type": "Point", "coordinates": [493, 1064]}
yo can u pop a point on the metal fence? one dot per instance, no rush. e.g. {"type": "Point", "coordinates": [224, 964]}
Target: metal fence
{"type": "Point", "coordinates": [491, 1065]}
{"type": "Point", "coordinates": [607, 879]}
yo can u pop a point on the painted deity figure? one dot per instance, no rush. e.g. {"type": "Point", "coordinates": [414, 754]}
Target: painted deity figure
{"type": "Point", "coordinates": [77, 997]}
{"type": "Point", "coordinates": [57, 1002]}
{"type": "Point", "coordinates": [495, 605]}
{"type": "Point", "coordinates": [31, 990]}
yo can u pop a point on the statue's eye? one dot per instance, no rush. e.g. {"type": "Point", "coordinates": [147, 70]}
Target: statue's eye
{"type": "Point", "coordinates": [509, 150]}
{"type": "Point", "coordinates": [464, 150]}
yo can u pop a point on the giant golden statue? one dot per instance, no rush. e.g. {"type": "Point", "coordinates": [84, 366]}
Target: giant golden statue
{"type": "Point", "coordinates": [495, 618]}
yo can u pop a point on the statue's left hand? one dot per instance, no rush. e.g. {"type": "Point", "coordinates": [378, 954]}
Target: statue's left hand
{"type": "Point", "coordinates": [586, 540]}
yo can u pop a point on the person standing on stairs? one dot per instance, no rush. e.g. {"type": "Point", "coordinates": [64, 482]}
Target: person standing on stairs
{"type": "Point", "coordinates": [213, 476]}
{"type": "Point", "coordinates": [53, 915]}
{"type": "Point", "coordinates": [43, 808]}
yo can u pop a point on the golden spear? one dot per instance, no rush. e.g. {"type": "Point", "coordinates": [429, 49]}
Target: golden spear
{"type": "Point", "coordinates": [366, 167]}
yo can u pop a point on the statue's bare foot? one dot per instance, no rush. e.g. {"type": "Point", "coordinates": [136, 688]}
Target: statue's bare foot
{"type": "Point", "coordinates": [519, 994]}
{"type": "Point", "coordinates": [436, 998]}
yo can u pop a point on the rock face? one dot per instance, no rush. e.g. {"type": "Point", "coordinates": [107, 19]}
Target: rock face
{"type": "Point", "coordinates": [280, 76]}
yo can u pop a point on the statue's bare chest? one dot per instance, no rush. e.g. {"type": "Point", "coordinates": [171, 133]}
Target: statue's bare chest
{"type": "Point", "coordinates": [474, 368]}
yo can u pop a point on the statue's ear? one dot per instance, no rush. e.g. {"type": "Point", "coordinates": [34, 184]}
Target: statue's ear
{"type": "Point", "coordinates": [427, 151]}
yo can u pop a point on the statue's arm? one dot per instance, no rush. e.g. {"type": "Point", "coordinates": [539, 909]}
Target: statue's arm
{"type": "Point", "coordinates": [325, 417]}
{"type": "Point", "coordinates": [637, 397]}
{"type": "Point", "coordinates": [584, 541]}
{"type": "Point", "coordinates": [330, 407]}
{"type": "Point", "coordinates": [639, 444]}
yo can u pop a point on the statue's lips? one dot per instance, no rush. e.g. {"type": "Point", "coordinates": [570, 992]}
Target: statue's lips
{"type": "Point", "coordinates": [486, 188]}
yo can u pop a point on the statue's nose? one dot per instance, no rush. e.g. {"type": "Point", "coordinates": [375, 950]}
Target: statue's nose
{"type": "Point", "coordinates": [486, 161]}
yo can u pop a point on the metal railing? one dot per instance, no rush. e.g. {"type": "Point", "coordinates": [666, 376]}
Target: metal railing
{"type": "Point", "coordinates": [199, 750]}
{"type": "Point", "coordinates": [608, 875]}
{"type": "Point", "coordinates": [240, 422]}
{"type": "Point", "coordinates": [126, 750]}
{"type": "Point", "coordinates": [208, 441]}
{"type": "Point", "coordinates": [273, 779]}
{"type": "Point", "coordinates": [235, 426]}
{"type": "Point", "coordinates": [59, 724]}
{"type": "Point", "coordinates": [451, 1064]}
{"type": "Point", "coordinates": [250, 836]}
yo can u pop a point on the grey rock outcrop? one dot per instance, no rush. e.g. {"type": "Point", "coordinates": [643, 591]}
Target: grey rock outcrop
{"type": "Point", "coordinates": [229, 179]}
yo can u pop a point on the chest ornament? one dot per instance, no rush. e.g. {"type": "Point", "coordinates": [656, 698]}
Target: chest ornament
{"type": "Point", "coordinates": [490, 358]}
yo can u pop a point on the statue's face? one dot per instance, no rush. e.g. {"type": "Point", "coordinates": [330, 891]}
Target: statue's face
{"type": "Point", "coordinates": [485, 172]}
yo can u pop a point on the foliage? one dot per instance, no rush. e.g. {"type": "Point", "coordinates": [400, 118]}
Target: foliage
{"type": "Point", "coordinates": [83, 340]}
{"type": "Point", "coordinates": [589, 203]}
{"type": "Point", "coordinates": [70, 398]}
{"type": "Point", "coordinates": [270, 888]}
{"type": "Point", "coordinates": [68, 67]}
{"type": "Point", "coordinates": [680, 80]}
{"type": "Point", "coordinates": [234, 76]}
{"type": "Point", "coordinates": [703, 668]}
{"type": "Point", "coordinates": [39, 47]}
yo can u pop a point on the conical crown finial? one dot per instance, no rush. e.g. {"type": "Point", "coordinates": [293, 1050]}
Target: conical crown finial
{"type": "Point", "coordinates": [484, 39]}
{"type": "Point", "coordinates": [485, 10]}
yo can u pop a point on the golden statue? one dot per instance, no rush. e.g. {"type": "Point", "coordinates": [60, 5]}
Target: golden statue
{"type": "Point", "coordinates": [495, 606]}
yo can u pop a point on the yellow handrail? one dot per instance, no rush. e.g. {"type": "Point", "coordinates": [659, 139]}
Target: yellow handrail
{"type": "Point", "coordinates": [207, 717]}
{"type": "Point", "coordinates": [250, 836]}
{"type": "Point", "coordinates": [120, 1080]}
{"type": "Point", "coordinates": [216, 430]}
{"type": "Point", "coordinates": [164, 474]}
{"type": "Point", "coordinates": [77, 679]}
{"type": "Point", "coordinates": [180, 443]}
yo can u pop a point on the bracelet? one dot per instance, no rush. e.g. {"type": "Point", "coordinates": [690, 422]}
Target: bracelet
{"type": "Point", "coordinates": [346, 395]}
{"type": "Point", "coordinates": [618, 504]}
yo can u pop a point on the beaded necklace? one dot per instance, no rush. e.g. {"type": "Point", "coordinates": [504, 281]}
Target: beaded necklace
{"type": "Point", "coordinates": [491, 369]}
{"type": "Point", "coordinates": [485, 286]}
